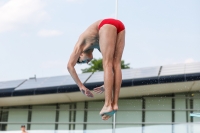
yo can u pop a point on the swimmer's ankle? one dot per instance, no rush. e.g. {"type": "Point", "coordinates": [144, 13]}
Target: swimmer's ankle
{"type": "Point", "coordinates": [115, 106]}
{"type": "Point", "coordinates": [108, 104]}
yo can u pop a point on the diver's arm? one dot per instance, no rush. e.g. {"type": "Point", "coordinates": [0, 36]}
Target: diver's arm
{"type": "Point", "coordinates": [73, 60]}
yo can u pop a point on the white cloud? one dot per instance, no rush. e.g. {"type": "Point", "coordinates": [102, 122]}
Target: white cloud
{"type": "Point", "coordinates": [49, 33]}
{"type": "Point", "coordinates": [189, 60]}
{"type": "Point", "coordinates": [16, 13]}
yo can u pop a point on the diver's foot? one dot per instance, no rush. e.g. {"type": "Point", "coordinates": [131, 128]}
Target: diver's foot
{"type": "Point", "coordinates": [107, 116]}
{"type": "Point", "coordinates": [105, 109]}
{"type": "Point", "coordinates": [106, 112]}
{"type": "Point", "coordinates": [115, 106]}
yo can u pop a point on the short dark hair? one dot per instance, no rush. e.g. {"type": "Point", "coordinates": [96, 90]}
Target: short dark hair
{"type": "Point", "coordinates": [23, 126]}
{"type": "Point", "coordinates": [78, 61]}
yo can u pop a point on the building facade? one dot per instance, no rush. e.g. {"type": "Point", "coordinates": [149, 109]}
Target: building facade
{"type": "Point", "coordinates": [152, 100]}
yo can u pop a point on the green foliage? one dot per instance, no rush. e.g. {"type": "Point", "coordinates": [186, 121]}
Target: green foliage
{"type": "Point", "coordinates": [124, 66]}
{"type": "Point", "coordinates": [97, 65]}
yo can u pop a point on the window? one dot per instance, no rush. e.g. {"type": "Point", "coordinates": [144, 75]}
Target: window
{"type": "Point", "coordinates": [3, 118]}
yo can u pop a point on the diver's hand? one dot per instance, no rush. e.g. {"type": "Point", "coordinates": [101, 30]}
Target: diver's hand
{"type": "Point", "coordinates": [86, 91]}
{"type": "Point", "coordinates": [99, 90]}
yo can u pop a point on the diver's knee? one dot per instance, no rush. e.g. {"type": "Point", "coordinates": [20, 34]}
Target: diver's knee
{"type": "Point", "coordinates": [116, 65]}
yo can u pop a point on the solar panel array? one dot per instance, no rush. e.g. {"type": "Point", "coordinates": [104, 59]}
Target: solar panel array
{"type": "Point", "coordinates": [10, 84]}
{"type": "Point", "coordinates": [128, 74]}
{"type": "Point", "coordinates": [145, 72]}
{"type": "Point", "coordinates": [177, 69]}
{"type": "Point", "coordinates": [192, 67]}
{"type": "Point", "coordinates": [96, 77]}
{"type": "Point", "coordinates": [51, 82]}
{"type": "Point", "coordinates": [172, 69]}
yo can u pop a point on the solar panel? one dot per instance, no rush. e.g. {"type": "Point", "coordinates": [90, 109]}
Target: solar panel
{"type": "Point", "coordinates": [10, 84]}
{"type": "Point", "coordinates": [176, 69]}
{"type": "Point", "coordinates": [96, 77]}
{"type": "Point", "coordinates": [128, 74]}
{"type": "Point", "coordinates": [145, 72]}
{"type": "Point", "coordinates": [180, 69]}
{"type": "Point", "coordinates": [56, 81]}
{"type": "Point", "coordinates": [192, 67]}
{"type": "Point", "coordinates": [51, 82]}
{"type": "Point", "coordinates": [32, 83]}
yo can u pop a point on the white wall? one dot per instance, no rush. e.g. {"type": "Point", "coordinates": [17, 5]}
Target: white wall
{"type": "Point", "coordinates": [158, 103]}
{"type": "Point", "coordinates": [93, 116]}
{"type": "Point", "coordinates": [17, 116]}
{"type": "Point", "coordinates": [45, 116]}
{"type": "Point", "coordinates": [64, 117]}
{"type": "Point", "coordinates": [129, 116]}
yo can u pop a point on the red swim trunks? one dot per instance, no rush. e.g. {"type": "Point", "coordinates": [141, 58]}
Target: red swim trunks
{"type": "Point", "coordinates": [117, 23]}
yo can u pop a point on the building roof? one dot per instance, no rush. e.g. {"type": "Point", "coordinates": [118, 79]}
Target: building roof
{"type": "Point", "coordinates": [177, 73]}
{"type": "Point", "coordinates": [130, 77]}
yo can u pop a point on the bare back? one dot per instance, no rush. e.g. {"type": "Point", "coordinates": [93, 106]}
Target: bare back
{"type": "Point", "coordinates": [91, 36]}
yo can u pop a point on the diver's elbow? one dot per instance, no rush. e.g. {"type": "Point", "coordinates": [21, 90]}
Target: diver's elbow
{"type": "Point", "coordinates": [69, 67]}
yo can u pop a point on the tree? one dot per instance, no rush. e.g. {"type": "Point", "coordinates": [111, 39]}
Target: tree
{"type": "Point", "coordinates": [97, 65]}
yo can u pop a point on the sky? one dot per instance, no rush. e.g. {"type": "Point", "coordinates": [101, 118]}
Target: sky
{"type": "Point", "coordinates": [38, 36]}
